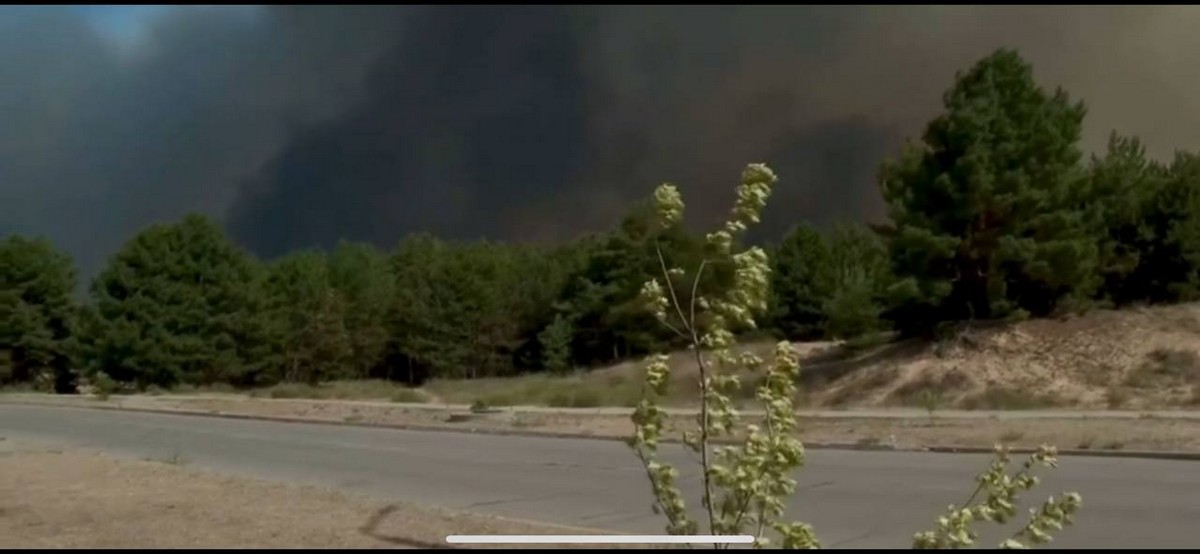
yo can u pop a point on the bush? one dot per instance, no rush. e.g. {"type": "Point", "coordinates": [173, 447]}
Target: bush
{"type": "Point", "coordinates": [104, 385]}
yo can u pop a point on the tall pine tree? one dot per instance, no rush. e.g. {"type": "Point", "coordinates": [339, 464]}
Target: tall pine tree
{"type": "Point", "coordinates": [179, 303]}
{"type": "Point", "coordinates": [982, 217]}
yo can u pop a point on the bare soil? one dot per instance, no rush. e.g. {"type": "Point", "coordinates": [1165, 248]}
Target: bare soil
{"type": "Point", "coordinates": [55, 498]}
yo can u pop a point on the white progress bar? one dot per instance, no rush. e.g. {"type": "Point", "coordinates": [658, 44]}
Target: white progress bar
{"type": "Point", "coordinates": [600, 539]}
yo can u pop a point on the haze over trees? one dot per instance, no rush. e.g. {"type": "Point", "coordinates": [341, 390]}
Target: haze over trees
{"type": "Point", "coordinates": [992, 214]}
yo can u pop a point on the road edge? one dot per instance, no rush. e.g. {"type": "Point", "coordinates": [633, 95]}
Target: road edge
{"type": "Point", "coordinates": [1142, 454]}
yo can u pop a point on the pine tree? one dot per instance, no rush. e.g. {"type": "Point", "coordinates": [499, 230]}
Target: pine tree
{"type": "Point", "coordinates": [859, 278]}
{"type": "Point", "coordinates": [982, 218]}
{"type": "Point", "coordinates": [1171, 262]}
{"type": "Point", "coordinates": [179, 303]}
{"type": "Point", "coordinates": [37, 323]}
{"type": "Point", "coordinates": [802, 281]}
{"type": "Point", "coordinates": [1121, 188]}
{"type": "Point", "coordinates": [309, 315]}
{"type": "Point", "coordinates": [556, 344]}
{"type": "Point", "coordinates": [362, 277]}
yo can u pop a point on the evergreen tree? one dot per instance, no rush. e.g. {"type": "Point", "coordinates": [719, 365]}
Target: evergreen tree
{"type": "Point", "coordinates": [37, 324]}
{"type": "Point", "coordinates": [860, 276]}
{"type": "Point", "coordinates": [603, 299]}
{"type": "Point", "coordinates": [363, 278]}
{"type": "Point", "coordinates": [309, 315]}
{"type": "Point", "coordinates": [802, 281]}
{"type": "Point", "coordinates": [1121, 187]}
{"type": "Point", "coordinates": [556, 344]}
{"type": "Point", "coordinates": [982, 217]}
{"type": "Point", "coordinates": [179, 303]}
{"type": "Point", "coordinates": [1171, 261]}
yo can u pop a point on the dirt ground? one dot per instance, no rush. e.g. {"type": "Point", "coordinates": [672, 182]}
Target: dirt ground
{"type": "Point", "coordinates": [55, 498]}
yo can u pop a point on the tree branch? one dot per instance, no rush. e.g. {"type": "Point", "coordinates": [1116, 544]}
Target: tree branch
{"type": "Point", "coordinates": [671, 288]}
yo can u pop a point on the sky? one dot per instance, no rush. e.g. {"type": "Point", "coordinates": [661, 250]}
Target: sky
{"type": "Point", "coordinates": [296, 127]}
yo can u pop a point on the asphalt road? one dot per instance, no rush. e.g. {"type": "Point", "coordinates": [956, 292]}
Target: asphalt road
{"type": "Point", "coordinates": [853, 499]}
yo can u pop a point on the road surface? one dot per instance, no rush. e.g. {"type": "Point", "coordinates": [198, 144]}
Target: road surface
{"type": "Point", "coordinates": [853, 499]}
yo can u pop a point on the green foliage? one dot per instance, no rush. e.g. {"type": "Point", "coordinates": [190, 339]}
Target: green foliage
{"type": "Point", "coordinates": [467, 309]}
{"type": "Point", "coordinates": [37, 315]}
{"type": "Point", "coordinates": [179, 304]}
{"type": "Point", "coordinates": [104, 385]}
{"type": "Point", "coordinates": [309, 318]}
{"type": "Point", "coordinates": [802, 283]}
{"type": "Point", "coordinates": [999, 505]}
{"type": "Point", "coordinates": [860, 278]}
{"type": "Point", "coordinates": [363, 279]}
{"type": "Point", "coordinates": [1171, 260]}
{"type": "Point", "coordinates": [746, 485]}
{"type": "Point", "coordinates": [930, 399]}
{"type": "Point", "coordinates": [983, 216]}
{"type": "Point", "coordinates": [1121, 187]}
{"type": "Point", "coordinates": [602, 300]}
{"type": "Point", "coordinates": [829, 285]}
{"type": "Point", "coordinates": [556, 344]}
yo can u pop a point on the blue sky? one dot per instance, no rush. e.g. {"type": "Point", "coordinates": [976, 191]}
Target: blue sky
{"type": "Point", "coordinates": [124, 22]}
{"type": "Point", "coordinates": [120, 22]}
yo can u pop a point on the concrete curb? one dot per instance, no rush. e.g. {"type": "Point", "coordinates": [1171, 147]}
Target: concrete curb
{"type": "Point", "coordinates": [1142, 454]}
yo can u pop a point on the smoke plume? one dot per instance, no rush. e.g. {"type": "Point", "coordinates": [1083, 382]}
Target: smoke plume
{"type": "Point", "coordinates": [299, 126]}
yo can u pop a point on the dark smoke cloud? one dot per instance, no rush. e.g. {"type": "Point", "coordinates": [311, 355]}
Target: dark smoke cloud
{"type": "Point", "coordinates": [300, 126]}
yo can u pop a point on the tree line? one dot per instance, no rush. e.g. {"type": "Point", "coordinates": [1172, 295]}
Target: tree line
{"type": "Point", "coordinates": [993, 214]}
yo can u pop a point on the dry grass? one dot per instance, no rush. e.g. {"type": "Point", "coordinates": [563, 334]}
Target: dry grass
{"type": "Point", "coordinates": [366, 389]}
{"type": "Point", "coordinates": [77, 499]}
{"type": "Point", "coordinates": [1133, 359]}
{"type": "Point", "coordinates": [573, 391]}
{"type": "Point", "coordinates": [619, 385]}
{"type": "Point", "coordinates": [1130, 359]}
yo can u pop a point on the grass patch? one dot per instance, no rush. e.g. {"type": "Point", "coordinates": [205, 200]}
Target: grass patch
{"type": "Point", "coordinates": [1166, 366]}
{"type": "Point", "coordinates": [1116, 397]}
{"type": "Point", "coordinates": [570, 391]}
{"type": "Point", "coordinates": [344, 390]}
{"type": "Point", "coordinates": [926, 392]}
{"type": "Point", "coordinates": [1011, 436]}
{"type": "Point", "coordinates": [215, 388]}
{"type": "Point", "coordinates": [579, 398]}
{"type": "Point", "coordinates": [1086, 442]}
{"type": "Point", "coordinates": [411, 396]}
{"type": "Point", "coordinates": [1001, 398]}
{"type": "Point", "coordinates": [868, 441]}
{"type": "Point", "coordinates": [852, 348]}
{"type": "Point", "coordinates": [175, 459]}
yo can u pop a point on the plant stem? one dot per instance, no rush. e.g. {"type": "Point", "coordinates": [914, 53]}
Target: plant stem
{"type": "Point", "coordinates": [671, 288]}
{"type": "Point", "coordinates": [708, 506]}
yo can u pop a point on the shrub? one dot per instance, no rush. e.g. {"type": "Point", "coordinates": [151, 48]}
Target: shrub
{"type": "Point", "coordinates": [746, 484]}
{"type": "Point", "coordinates": [104, 385]}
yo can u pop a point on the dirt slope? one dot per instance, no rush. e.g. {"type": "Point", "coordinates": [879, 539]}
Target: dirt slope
{"type": "Point", "coordinates": [1133, 358]}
